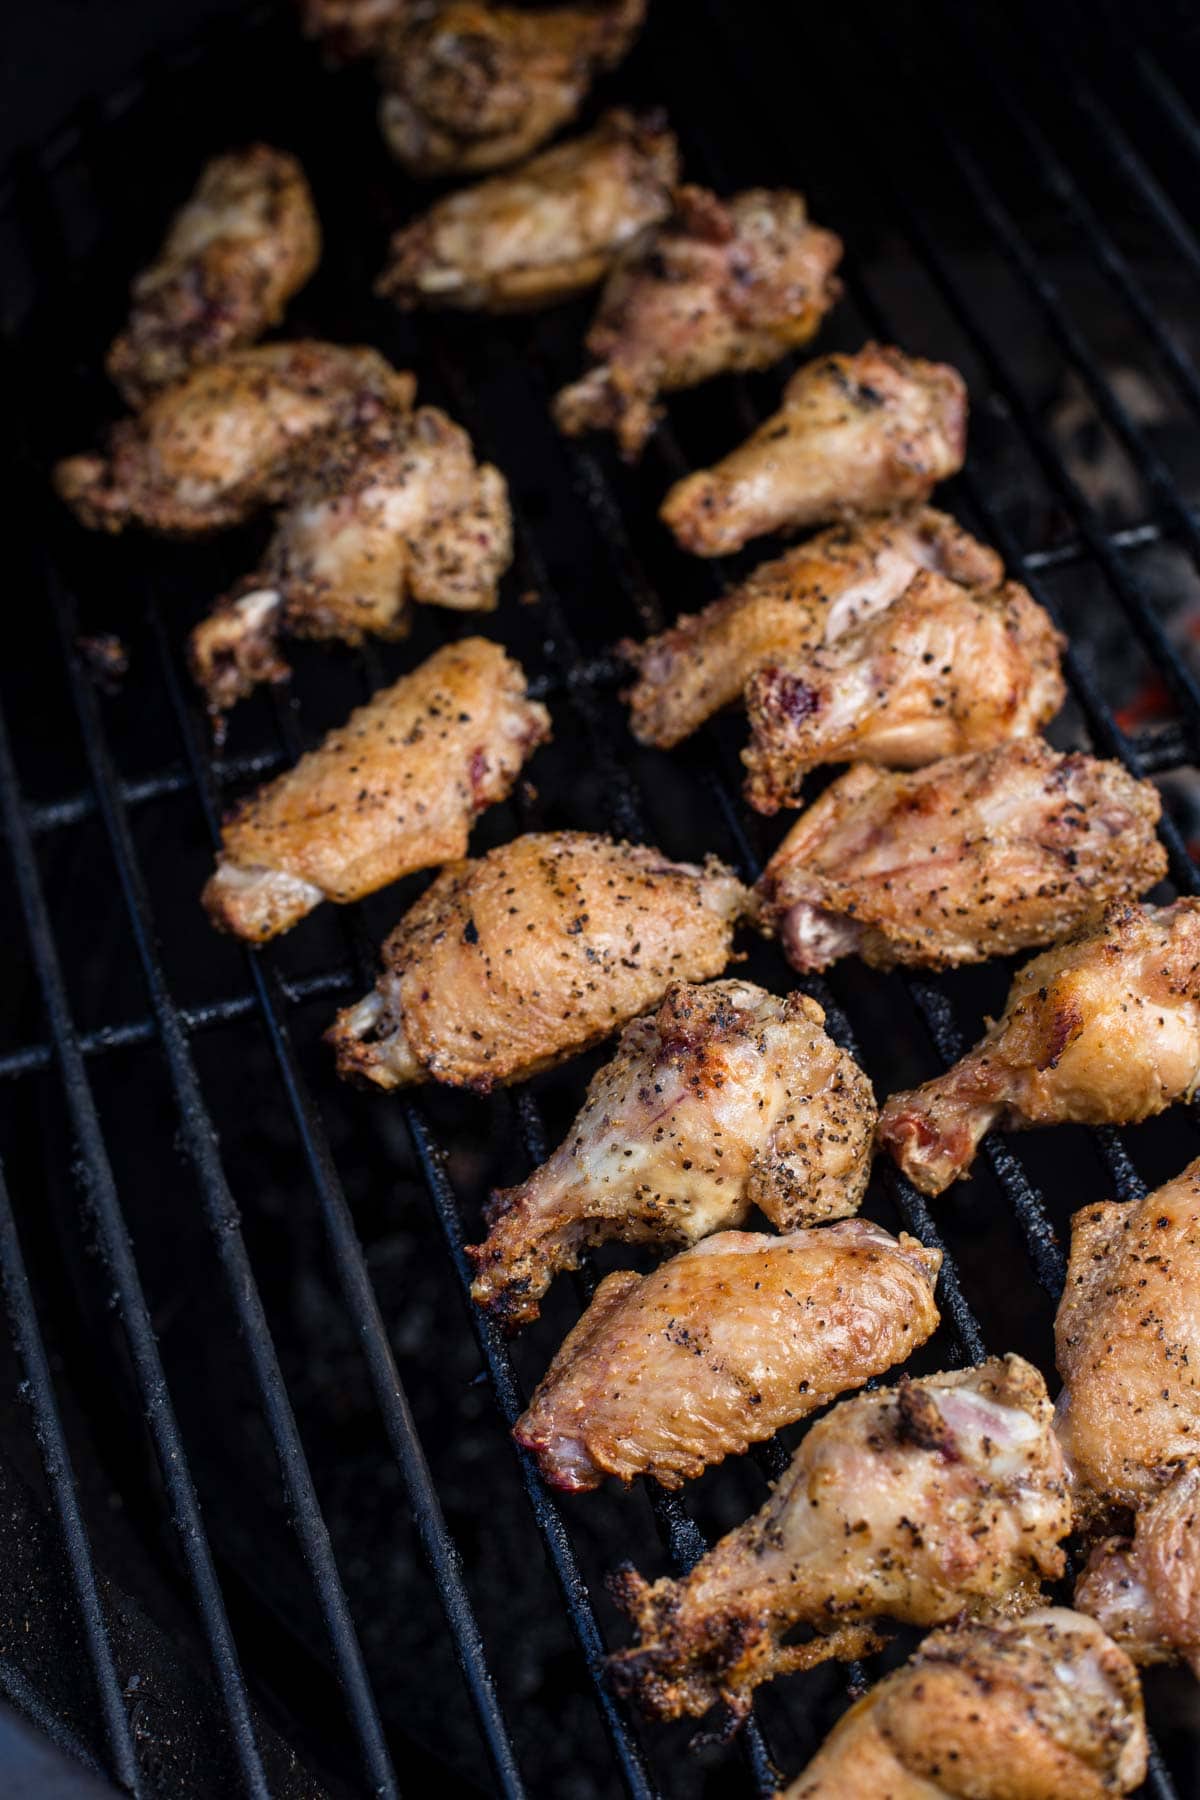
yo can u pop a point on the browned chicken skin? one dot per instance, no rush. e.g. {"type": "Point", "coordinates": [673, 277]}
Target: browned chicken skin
{"type": "Point", "coordinates": [510, 963]}
{"type": "Point", "coordinates": [725, 1098]}
{"type": "Point", "coordinates": [1104, 1029]}
{"type": "Point", "coordinates": [854, 434]}
{"type": "Point", "coordinates": [721, 285]}
{"type": "Point", "coordinates": [246, 241]}
{"type": "Point", "coordinates": [1145, 1590]}
{"type": "Point", "coordinates": [975, 856]}
{"type": "Point", "coordinates": [721, 1346]}
{"type": "Point", "coordinates": [917, 1503]}
{"type": "Point", "coordinates": [350, 28]}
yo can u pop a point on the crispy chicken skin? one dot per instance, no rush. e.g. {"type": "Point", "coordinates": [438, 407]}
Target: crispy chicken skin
{"type": "Point", "coordinates": [542, 232]}
{"type": "Point", "coordinates": [725, 1098]}
{"type": "Point", "coordinates": [941, 672]}
{"type": "Point", "coordinates": [919, 1503]}
{"type": "Point", "coordinates": [721, 1346]}
{"type": "Point", "coordinates": [246, 241]}
{"type": "Point", "coordinates": [510, 963]}
{"type": "Point", "coordinates": [209, 450]}
{"type": "Point", "coordinates": [854, 434]}
{"type": "Point", "coordinates": [1039, 1708]}
{"type": "Point", "coordinates": [1101, 1030]}
{"type": "Point", "coordinates": [350, 28]}
{"type": "Point", "coordinates": [1145, 1590]}
{"type": "Point", "coordinates": [802, 600]}
{"type": "Point", "coordinates": [400, 512]}
{"type": "Point", "coordinates": [720, 285]}
{"type": "Point", "coordinates": [975, 856]}
{"type": "Point", "coordinates": [394, 789]}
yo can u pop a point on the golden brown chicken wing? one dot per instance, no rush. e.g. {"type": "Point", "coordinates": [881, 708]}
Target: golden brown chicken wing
{"type": "Point", "coordinates": [542, 232]}
{"type": "Point", "coordinates": [855, 434]}
{"type": "Point", "coordinates": [725, 1098]}
{"type": "Point", "coordinates": [721, 285]}
{"type": "Point", "coordinates": [975, 856]}
{"type": "Point", "coordinates": [1145, 1590]}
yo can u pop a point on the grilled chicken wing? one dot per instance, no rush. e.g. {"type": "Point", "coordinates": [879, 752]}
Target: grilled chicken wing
{"type": "Point", "coordinates": [394, 789]}
{"type": "Point", "coordinates": [1145, 1590]}
{"type": "Point", "coordinates": [1104, 1029]}
{"type": "Point", "coordinates": [247, 239]}
{"type": "Point", "coordinates": [725, 1098]}
{"type": "Point", "coordinates": [721, 1346]}
{"type": "Point", "coordinates": [510, 963]}
{"type": "Point", "coordinates": [802, 600]}
{"type": "Point", "coordinates": [855, 434]}
{"type": "Point", "coordinates": [975, 856]}
{"type": "Point", "coordinates": [542, 232]}
{"type": "Point", "coordinates": [721, 285]}
{"type": "Point", "coordinates": [209, 450]}
{"type": "Point", "coordinates": [1039, 1708]}
{"type": "Point", "coordinates": [351, 28]}
{"type": "Point", "coordinates": [942, 671]}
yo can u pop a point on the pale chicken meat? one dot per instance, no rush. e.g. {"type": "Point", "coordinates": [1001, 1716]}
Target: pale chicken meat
{"type": "Point", "coordinates": [921, 1503]}
{"type": "Point", "coordinates": [246, 241]}
{"type": "Point", "coordinates": [210, 450]}
{"type": "Point", "coordinates": [394, 789]}
{"type": "Point", "coordinates": [972, 857]}
{"type": "Point", "coordinates": [720, 285]}
{"type": "Point", "coordinates": [540, 232]}
{"type": "Point", "coordinates": [854, 434]}
{"type": "Point", "coordinates": [1101, 1030]}
{"type": "Point", "coordinates": [942, 671]}
{"type": "Point", "coordinates": [722, 1346]}
{"type": "Point", "coordinates": [525, 956]}
{"type": "Point", "coordinates": [797, 603]}
{"type": "Point", "coordinates": [1145, 1589]}
{"type": "Point", "coordinates": [726, 1098]}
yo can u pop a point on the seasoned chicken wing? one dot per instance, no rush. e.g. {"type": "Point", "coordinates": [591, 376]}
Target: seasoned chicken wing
{"type": "Point", "coordinates": [351, 28]}
{"type": "Point", "coordinates": [508, 964]}
{"type": "Point", "coordinates": [975, 856]}
{"type": "Point", "coordinates": [542, 232]}
{"type": "Point", "coordinates": [855, 434]}
{"type": "Point", "coordinates": [1039, 1708]}
{"type": "Point", "coordinates": [394, 789]}
{"type": "Point", "coordinates": [1145, 1590]}
{"type": "Point", "coordinates": [918, 1503]}
{"type": "Point", "coordinates": [725, 1098]}
{"type": "Point", "coordinates": [802, 600]}
{"type": "Point", "coordinates": [1101, 1030]}
{"type": "Point", "coordinates": [247, 239]}
{"type": "Point", "coordinates": [209, 450]}
{"type": "Point", "coordinates": [721, 285]}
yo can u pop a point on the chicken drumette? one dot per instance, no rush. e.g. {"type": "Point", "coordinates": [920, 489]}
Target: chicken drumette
{"type": "Point", "coordinates": [721, 1346]}
{"type": "Point", "coordinates": [1145, 1590]}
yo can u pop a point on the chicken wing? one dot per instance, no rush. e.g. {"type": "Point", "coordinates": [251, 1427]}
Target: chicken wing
{"type": "Point", "coordinates": [246, 241]}
{"type": "Point", "coordinates": [509, 964]}
{"type": "Point", "coordinates": [724, 1099]}
{"type": "Point", "coordinates": [543, 232]}
{"type": "Point", "coordinates": [975, 856]}
{"type": "Point", "coordinates": [721, 285]}
{"type": "Point", "coordinates": [349, 29]}
{"type": "Point", "coordinates": [808, 597]}
{"type": "Point", "coordinates": [1101, 1030]}
{"type": "Point", "coordinates": [1145, 1590]}
{"type": "Point", "coordinates": [855, 434]}
{"type": "Point", "coordinates": [209, 450]}
{"type": "Point", "coordinates": [1039, 1708]}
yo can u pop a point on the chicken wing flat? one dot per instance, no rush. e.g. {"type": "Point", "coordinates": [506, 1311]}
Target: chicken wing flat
{"type": "Point", "coordinates": [917, 1503]}
{"type": "Point", "coordinates": [508, 964]}
{"type": "Point", "coordinates": [1040, 1708]}
{"type": "Point", "coordinates": [209, 450]}
{"type": "Point", "coordinates": [1145, 1590]}
{"type": "Point", "coordinates": [725, 1098]}
{"type": "Point", "coordinates": [542, 232]}
{"type": "Point", "coordinates": [855, 434]}
{"type": "Point", "coordinates": [940, 672]}
{"type": "Point", "coordinates": [721, 1346]}
{"type": "Point", "coordinates": [802, 600]}
{"type": "Point", "coordinates": [246, 241]}
{"type": "Point", "coordinates": [399, 512]}
{"type": "Point", "coordinates": [394, 789]}
{"type": "Point", "coordinates": [721, 285]}
{"type": "Point", "coordinates": [975, 856]}
{"type": "Point", "coordinates": [1101, 1030]}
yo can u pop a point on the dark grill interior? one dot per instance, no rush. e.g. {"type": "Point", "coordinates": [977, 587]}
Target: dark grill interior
{"type": "Point", "coordinates": [256, 1490]}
